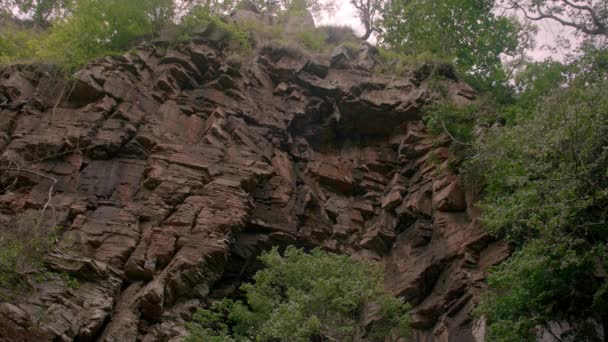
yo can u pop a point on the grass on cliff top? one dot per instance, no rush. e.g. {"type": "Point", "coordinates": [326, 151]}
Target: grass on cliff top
{"type": "Point", "coordinates": [88, 33]}
{"type": "Point", "coordinates": [99, 28]}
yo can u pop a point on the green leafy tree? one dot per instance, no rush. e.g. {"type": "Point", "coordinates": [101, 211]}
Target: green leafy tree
{"type": "Point", "coordinates": [301, 296]}
{"type": "Point", "coordinates": [548, 280]}
{"type": "Point", "coordinates": [42, 12]}
{"type": "Point", "coordinates": [537, 80]}
{"type": "Point", "coordinates": [546, 192]}
{"type": "Point", "coordinates": [283, 8]}
{"type": "Point", "coordinates": [466, 30]}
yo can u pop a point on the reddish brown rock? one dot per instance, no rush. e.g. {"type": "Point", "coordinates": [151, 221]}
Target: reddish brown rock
{"type": "Point", "coordinates": [172, 170]}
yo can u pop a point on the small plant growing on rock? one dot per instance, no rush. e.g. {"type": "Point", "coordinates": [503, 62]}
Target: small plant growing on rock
{"type": "Point", "coordinates": [23, 244]}
{"type": "Point", "coordinates": [301, 296]}
{"type": "Point", "coordinates": [313, 40]}
{"type": "Point", "coordinates": [444, 118]}
{"type": "Point", "coordinates": [234, 38]}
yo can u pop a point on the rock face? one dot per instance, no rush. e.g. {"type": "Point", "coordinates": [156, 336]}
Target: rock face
{"type": "Point", "coordinates": [170, 171]}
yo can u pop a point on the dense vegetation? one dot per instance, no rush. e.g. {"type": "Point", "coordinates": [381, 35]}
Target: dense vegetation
{"type": "Point", "coordinates": [465, 30]}
{"type": "Point", "coordinates": [72, 33]}
{"type": "Point", "coordinates": [302, 296]}
{"type": "Point", "coordinates": [24, 242]}
{"type": "Point", "coordinates": [546, 191]}
{"type": "Point", "coordinates": [534, 145]}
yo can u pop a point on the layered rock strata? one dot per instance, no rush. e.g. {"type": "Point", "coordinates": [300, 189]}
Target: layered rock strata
{"type": "Point", "coordinates": [169, 171]}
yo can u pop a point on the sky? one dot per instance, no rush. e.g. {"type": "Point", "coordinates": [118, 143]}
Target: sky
{"type": "Point", "coordinates": [546, 38]}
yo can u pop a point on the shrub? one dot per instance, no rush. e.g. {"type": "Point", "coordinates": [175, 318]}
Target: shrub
{"type": "Point", "coordinates": [421, 66]}
{"type": "Point", "coordinates": [94, 29]}
{"type": "Point", "coordinates": [23, 244]}
{"type": "Point", "coordinates": [530, 290]}
{"type": "Point", "coordinates": [236, 39]}
{"type": "Point", "coordinates": [262, 32]}
{"type": "Point", "coordinates": [17, 44]}
{"type": "Point", "coordinates": [299, 297]}
{"type": "Point", "coordinates": [313, 40]}
{"type": "Point", "coordinates": [339, 34]}
{"type": "Point", "coordinates": [546, 192]}
{"type": "Point", "coordinates": [445, 118]}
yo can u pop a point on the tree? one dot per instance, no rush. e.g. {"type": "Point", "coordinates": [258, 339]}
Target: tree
{"type": "Point", "coordinates": [587, 16]}
{"type": "Point", "coordinates": [211, 7]}
{"type": "Point", "coordinates": [42, 12]}
{"type": "Point", "coordinates": [466, 30]}
{"type": "Point", "coordinates": [301, 296]}
{"type": "Point", "coordinates": [546, 192]}
{"type": "Point", "coordinates": [294, 7]}
{"type": "Point", "coordinates": [369, 12]}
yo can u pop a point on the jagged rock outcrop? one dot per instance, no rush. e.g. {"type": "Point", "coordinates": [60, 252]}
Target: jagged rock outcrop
{"type": "Point", "coordinates": [170, 170]}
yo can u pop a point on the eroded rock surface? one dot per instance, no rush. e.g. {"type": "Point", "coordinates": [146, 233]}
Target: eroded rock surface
{"type": "Point", "coordinates": [172, 171]}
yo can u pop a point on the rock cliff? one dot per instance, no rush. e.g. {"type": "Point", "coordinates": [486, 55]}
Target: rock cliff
{"type": "Point", "coordinates": [171, 170]}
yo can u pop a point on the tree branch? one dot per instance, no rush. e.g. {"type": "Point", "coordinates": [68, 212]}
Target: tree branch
{"type": "Point", "coordinates": [600, 28]}
{"type": "Point", "coordinates": [49, 201]}
{"type": "Point", "coordinates": [452, 137]}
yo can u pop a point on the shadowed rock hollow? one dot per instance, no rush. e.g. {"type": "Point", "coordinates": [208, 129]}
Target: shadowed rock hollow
{"type": "Point", "coordinates": [170, 171]}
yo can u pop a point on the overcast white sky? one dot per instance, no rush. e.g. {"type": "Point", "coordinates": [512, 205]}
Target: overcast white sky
{"type": "Point", "coordinates": [548, 31]}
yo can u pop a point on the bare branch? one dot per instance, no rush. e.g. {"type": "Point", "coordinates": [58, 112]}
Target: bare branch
{"type": "Point", "coordinates": [49, 201]}
{"type": "Point", "coordinates": [452, 137]}
{"type": "Point", "coordinates": [598, 27]}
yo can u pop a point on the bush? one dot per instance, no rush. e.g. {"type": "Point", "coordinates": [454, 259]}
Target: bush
{"type": "Point", "coordinates": [339, 34]}
{"type": "Point", "coordinates": [546, 192]}
{"type": "Point", "coordinates": [313, 40]}
{"type": "Point", "coordinates": [93, 28]}
{"type": "Point", "coordinates": [96, 28]}
{"type": "Point", "coordinates": [237, 39]}
{"type": "Point", "coordinates": [299, 297]}
{"type": "Point", "coordinates": [393, 62]}
{"type": "Point", "coordinates": [443, 118]}
{"type": "Point", "coordinates": [23, 244]}
{"type": "Point", "coordinates": [532, 289]}
{"type": "Point", "coordinates": [17, 44]}
{"type": "Point", "coordinates": [262, 32]}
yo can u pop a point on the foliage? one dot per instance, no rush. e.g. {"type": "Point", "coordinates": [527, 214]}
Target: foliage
{"type": "Point", "coordinates": [41, 11]}
{"type": "Point", "coordinates": [586, 16]}
{"type": "Point", "coordinates": [531, 85]}
{"type": "Point", "coordinates": [338, 34]}
{"type": "Point", "coordinates": [17, 44]}
{"type": "Point", "coordinates": [262, 33]}
{"type": "Point", "coordinates": [23, 244]}
{"type": "Point", "coordinates": [444, 118]}
{"type": "Point", "coordinates": [212, 7]}
{"type": "Point", "coordinates": [313, 40]}
{"type": "Point", "coordinates": [467, 31]}
{"type": "Point", "coordinates": [210, 325]}
{"type": "Point", "coordinates": [88, 29]}
{"type": "Point", "coordinates": [236, 38]}
{"type": "Point", "coordinates": [280, 8]}
{"type": "Point", "coordinates": [425, 64]}
{"type": "Point", "coordinates": [97, 28]}
{"type": "Point", "coordinates": [536, 286]}
{"type": "Point", "coordinates": [300, 296]}
{"type": "Point", "coordinates": [546, 191]}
